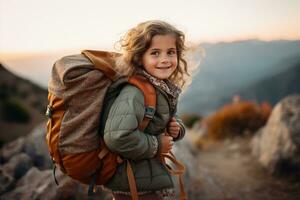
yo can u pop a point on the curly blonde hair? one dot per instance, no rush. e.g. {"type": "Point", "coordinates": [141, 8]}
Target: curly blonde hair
{"type": "Point", "coordinates": [138, 39]}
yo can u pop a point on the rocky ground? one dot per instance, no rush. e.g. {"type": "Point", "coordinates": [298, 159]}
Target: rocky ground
{"type": "Point", "coordinates": [227, 170]}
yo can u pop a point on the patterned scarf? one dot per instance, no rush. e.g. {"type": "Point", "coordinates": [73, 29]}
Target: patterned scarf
{"type": "Point", "coordinates": [165, 85]}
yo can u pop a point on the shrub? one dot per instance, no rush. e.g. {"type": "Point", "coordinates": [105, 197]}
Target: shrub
{"type": "Point", "coordinates": [23, 94]}
{"type": "Point", "coordinates": [235, 119]}
{"type": "Point", "coordinates": [190, 119]}
{"type": "Point", "coordinates": [15, 111]}
{"type": "Point", "coordinates": [4, 91]}
{"type": "Point", "coordinates": [1, 145]}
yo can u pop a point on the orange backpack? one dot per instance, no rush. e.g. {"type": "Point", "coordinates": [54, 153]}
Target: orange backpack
{"type": "Point", "coordinates": [79, 88]}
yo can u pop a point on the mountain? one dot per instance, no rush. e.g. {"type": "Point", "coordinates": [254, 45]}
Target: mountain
{"type": "Point", "coordinates": [22, 105]}
{"type": "Point", "coordinates": [35, 67]}
{"type": "Point", "coordinates": [274, 88]}
{"type": "Point", "coordinates": [229, 67]}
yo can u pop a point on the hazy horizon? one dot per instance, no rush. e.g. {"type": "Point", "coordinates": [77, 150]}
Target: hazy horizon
{"type": "Point", "coordinates": [24, 54]}
{"type": "Point", "coordinates": [41, 26]}
{"type": "Point", "coordinates": [37, 66]}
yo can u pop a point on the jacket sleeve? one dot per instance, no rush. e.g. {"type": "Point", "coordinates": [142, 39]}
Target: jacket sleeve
{"type": "Point", "coordinates": [121, 132]}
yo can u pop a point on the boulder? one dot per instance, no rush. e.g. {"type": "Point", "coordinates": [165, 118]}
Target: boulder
{"type": "Point", "coordinates": [25, 173]}
{"type": "Point", "coordinates": [31, 186]}
{"type": "Point", "coordinates": [6, 181]}
{"type": "Point", "coordinates": [18, 165]}
{"type": "Point", "coordinates": [38, 184]}
{"type": "Point", "coordinates": [277, 145]}
{"type": "Point", "coordinates": [36, 147]}
{"type": "Point", "coordinates": [13, 148]}
{"type": "Point", "coordinates": [13, 170]}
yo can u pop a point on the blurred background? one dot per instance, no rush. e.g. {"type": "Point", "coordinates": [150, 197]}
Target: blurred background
{"type": "Point", "coordinates": [247, 59]}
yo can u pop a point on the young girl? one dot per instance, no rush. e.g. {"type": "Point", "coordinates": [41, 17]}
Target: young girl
{"type": "Point", "coordinates": [153, 49]}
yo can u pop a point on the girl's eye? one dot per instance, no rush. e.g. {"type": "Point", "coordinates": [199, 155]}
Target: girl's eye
{"type": "Point", "coordinates": [172, 53]}
{"type": "Point", "coordinates": [155, 53]}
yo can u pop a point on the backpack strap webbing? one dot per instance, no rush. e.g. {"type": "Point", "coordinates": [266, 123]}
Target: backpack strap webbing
{"type": "Point", "coordinates": [178, 171]}
{"type": "Point", "coordinates": [149, 98]}
{"type": "Point", "coordinates": [103, 61]}
{"type": "Point", "coordinates": [150, 104]}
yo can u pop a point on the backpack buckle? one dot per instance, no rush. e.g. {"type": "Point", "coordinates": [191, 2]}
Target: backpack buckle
{"type": "Point", "coordinates": [149, 112]}
{"type": "Point", "coordinates": [49, 111]}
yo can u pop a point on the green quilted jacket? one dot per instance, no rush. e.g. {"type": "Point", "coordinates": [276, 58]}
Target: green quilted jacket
{"type": "Point", "coordinates": [122, 136]}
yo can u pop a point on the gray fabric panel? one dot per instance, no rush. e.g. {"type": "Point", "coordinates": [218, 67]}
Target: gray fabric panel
{"type": "Point", "coordinates": [82, 89]}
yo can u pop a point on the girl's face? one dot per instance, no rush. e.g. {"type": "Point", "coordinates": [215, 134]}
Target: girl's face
{"type": "Point", "coordinates": [160, 59]}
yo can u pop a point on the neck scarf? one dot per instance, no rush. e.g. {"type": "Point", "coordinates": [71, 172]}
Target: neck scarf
{"type": "Point", "coordinates": [167, 86]}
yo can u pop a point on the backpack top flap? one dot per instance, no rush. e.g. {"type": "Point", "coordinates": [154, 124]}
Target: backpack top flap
{"type": "Point", "coordinates": [82, 87]}
{"type": "Point", "coordinates": [105, 61]}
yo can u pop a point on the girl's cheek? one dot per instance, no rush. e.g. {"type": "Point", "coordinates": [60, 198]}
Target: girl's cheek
{"type": "Point", "coordinates": [152, 62]}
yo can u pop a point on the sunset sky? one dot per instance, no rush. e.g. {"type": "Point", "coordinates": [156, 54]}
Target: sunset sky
{"type": "Point", "coordinates": [31, 26]}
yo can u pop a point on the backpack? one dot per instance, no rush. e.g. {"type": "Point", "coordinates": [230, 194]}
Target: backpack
{"type": "Point", "coordinates": [81, 88]}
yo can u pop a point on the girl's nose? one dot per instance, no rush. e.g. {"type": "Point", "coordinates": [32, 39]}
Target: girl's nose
{"type": "Point", "coordinates": [165, 59]}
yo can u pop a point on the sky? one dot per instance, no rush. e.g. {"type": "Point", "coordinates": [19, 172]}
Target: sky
{"type": "Point", "coordinates": [32, 26]}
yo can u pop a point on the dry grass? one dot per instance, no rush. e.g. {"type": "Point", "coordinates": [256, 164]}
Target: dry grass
{"type": "Point", "coordinates": [236, 119]}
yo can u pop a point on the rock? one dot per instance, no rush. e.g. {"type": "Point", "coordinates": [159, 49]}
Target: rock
{"type": "Point", "coordinates": [20, 156]}
{"type": "Point", "coordinates": [12, 170]}
{"type": "Point", "coordinates": [6, 181]}
{"type": "Point", "coordinates": [71, 189]}
{"type": "Point", "coordinates": [30, 185]}
{"type": "Point", "coordinates": [234, 147]}
{"type": "Point", "coordinates": [11, 149]}
{"type": "Point", "coordinates": [38, 184]}
{"type": "Point", "coordinates": [18, 165]}
{"type": "Point", "coordinates": [277, 145]}
{"type": "Point", "coordinates": [36, 147]}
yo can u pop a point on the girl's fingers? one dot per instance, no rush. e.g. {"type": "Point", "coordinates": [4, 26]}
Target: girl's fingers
{"type": "Point", "coordinates": [174, 134]}
{"type": "Point", "coordinates": [172, 120]}
{"type": "Point", "coordinates": [174, 124]}
{"type": "Point", "coordinates": [174, 129]}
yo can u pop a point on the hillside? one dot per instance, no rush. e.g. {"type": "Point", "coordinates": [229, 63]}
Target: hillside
{"type": "Point", "coordinates": [22, 105]}
{"type": "Point", "coordinates": [275, 87]}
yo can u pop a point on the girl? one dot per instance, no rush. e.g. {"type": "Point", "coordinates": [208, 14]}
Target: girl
{"type": "Point", "coordinates": [153, 49]}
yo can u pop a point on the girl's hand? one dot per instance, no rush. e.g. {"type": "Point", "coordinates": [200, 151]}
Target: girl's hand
{"type": "Point", "coordinates": [173, 128]}
{"type": "Point", "coordinates": [166, 143]}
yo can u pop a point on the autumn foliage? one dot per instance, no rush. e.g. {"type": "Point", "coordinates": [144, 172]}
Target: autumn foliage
{"type": "Point", "coordinates": [237, 118]}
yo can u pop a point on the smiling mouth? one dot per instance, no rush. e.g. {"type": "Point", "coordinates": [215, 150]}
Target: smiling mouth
{"type": "Point", "coordinates": [163, 67]}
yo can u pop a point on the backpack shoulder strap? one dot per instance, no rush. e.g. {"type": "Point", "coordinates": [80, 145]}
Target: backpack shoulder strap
{"type": "Point", "coordinates": [149, 97]}
{"type": "Point", "coordinates": [103, 61]}
{"type": "Point", "coordinates": [150, 104]}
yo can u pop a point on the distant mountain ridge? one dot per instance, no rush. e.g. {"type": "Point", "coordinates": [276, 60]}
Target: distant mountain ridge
{"type": "Point", "coordinates": [229, 67]}
{"type": "Point", "coordinates": [276, 87]}
{"type": "Point", "coordinates": [22, 105]}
